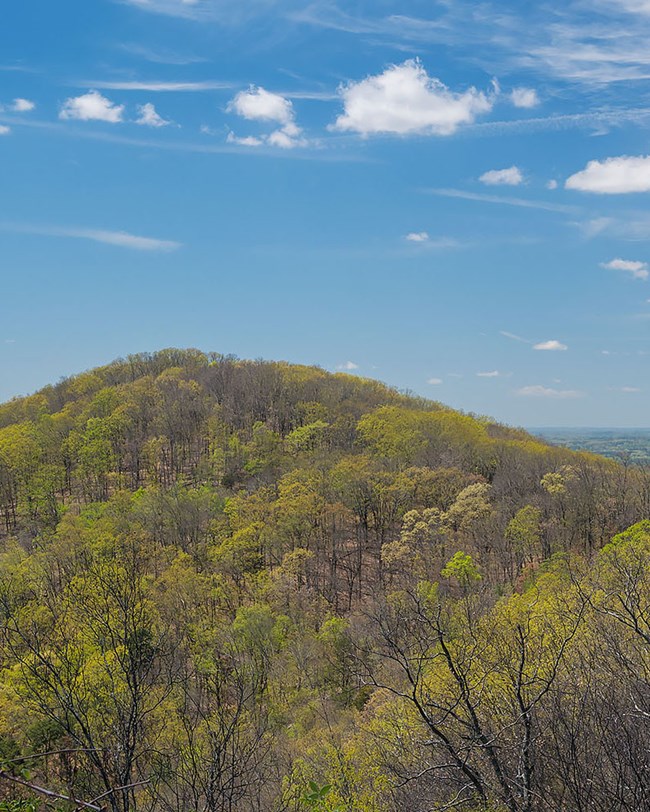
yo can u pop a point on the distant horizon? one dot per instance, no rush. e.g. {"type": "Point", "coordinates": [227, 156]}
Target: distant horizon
{"type": "Point", "coordinates": [587, 428]}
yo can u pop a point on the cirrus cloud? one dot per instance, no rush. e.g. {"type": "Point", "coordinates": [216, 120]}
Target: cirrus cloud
{"type": "Point", "coordinates": [405, 100]}
{"type": "Point", "coordinates": [122, 239]}
{"type": "Point", "coordinates": [539, 391]}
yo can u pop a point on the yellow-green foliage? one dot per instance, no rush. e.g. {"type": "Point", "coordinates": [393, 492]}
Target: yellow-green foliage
{"type": "Point", "coordinates": [255, 586]}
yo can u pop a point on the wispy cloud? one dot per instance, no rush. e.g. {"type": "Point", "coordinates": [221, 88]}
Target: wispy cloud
{"type": "Point", "coordinates": [493, 374]}
{"type": "Point", "coordinates": [155, 86]}
{"type": "Point", "coordinates": [434, 381]}
{"type": "Point", "coordinates": [506, 201]}
{"type": "Point", "coordinates": [539, 391]}
{"type": "Point", "coordinates": [122, 239]}
{"type": "Point", "coordinates": [397, 26]}
{"type": "Point", "coordinates": [206, 11]}
{"type": "Point", "coordinates": [348, 366]}
{"type": "Point", "coordinates": [595, 43]}
{"type": "Point", "coordinates": [591, 50]}
{"type": "Point", "coordinates": [159, 56]}
{"type": "Point", "coordinates": [514, 337]}
{"type": "Point", "coordinates": [596, 120]}
{"type": "Point", "coordinates": [188, 9]}
{"type": "Point", "coordinates": [633, 227]}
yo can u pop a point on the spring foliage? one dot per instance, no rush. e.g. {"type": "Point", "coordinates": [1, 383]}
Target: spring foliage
{"type": "Point", "coordinates": [235, 586]}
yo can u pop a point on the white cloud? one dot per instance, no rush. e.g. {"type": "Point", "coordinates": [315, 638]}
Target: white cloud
{"type": "Point", "coordinates": [258, 104]}
{"type": "Point", "coordinates": [639, 270]}
{"type": "Point", "coordinates": [286, 138]}
{"type": "Point", "coordinates": [348, 366]}
{"type": "Point", "coordinates": [92, 106]}
{"type": "Point", "coordinates": [539, 391]}
{"type": "Point", "coordinates": [613, 176]}
{"type": "Point", "coordinates": [405, 100]}
{"type": "Point", "coordinates": [149, 117]}
{"type": "Point", "coordinates": [423, 238]}
{"type": "Point", "coordinates": [4, 130]}
{"type": "Point", "coordinates": [434, 381]}
{"type": "Point", "coordinates": [123, 239]}
{"type": "Point", "coordinates": [552, 184]}
{"type": "Point", "coordinates": [552, 346]}
{"type": "Point", "coordinates": [493, 374]}
{"type": "Point", "coordinates": [630, 389]}
{"type": "Point", "coordinates": [245, 141]}
{"type": "Point", "coordinates": [525, 97]}
{"type": "Point", "coordinates": [22, 106]}
{"type": "Point", "coordinates": [502, 177]}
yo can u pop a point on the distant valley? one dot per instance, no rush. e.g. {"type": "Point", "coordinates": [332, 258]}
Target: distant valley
{"type": "Point", "coordinates": [618, 443]}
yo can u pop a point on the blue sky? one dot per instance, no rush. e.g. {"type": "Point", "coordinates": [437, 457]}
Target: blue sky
{"type": "Point", "coordinates": [451, 197]}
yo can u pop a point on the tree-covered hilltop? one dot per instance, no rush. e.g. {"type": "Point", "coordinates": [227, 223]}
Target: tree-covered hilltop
{"type": "Point", "coordinates": [240, 586]}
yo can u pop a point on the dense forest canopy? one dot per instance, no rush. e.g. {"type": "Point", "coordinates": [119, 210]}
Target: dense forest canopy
{"type": "Point", "coordinates": [234, 586]}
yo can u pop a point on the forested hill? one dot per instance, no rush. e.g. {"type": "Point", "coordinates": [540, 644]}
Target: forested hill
{"type": "Point", "coordinates": [232, 586]}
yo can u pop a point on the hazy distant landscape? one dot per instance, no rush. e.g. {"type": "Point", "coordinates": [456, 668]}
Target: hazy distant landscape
{"type": "Point", "coordinates": [623, 444]}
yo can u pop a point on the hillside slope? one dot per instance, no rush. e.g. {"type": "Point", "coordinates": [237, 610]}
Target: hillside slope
{"type": "Point", "coordinates": [222, 580]}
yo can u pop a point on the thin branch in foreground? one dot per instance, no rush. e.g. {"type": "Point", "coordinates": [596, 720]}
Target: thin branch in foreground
{"type": "Point", "coordinates": [50, 794]}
